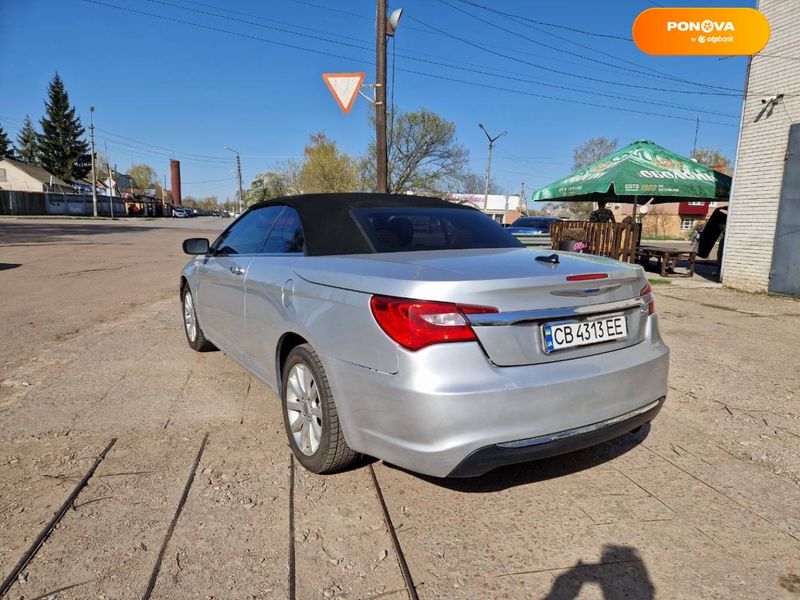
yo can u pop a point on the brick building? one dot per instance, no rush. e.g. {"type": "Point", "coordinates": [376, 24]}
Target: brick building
{"type": "Point", "coordinates": [762, 242]}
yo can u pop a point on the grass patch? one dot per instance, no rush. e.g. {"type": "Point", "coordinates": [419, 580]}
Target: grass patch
{"type": "Point", "coordinates": [665, 238]}
{"type": "Point", "coordinates": [659, 281]}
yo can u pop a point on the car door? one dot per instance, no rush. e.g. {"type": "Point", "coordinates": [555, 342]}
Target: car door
{"type": "Point", "coordinates": [269, 295]}
{"type": "Point", "coordinates": [221, 277]}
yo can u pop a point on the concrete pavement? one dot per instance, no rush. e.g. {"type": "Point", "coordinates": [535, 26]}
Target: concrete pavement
{"type": "Point", "coordinates": [701, 505]}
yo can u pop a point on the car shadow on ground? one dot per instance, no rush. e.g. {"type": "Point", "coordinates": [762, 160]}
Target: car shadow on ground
{"type": "Point", "coordinates": [12, 233]}
{"type": "Point", "coordinates": [7, 266]}
{"type": "Point", "coordinates": [620, 574]}
{"type": "Point", "coordinates": [540, 470]}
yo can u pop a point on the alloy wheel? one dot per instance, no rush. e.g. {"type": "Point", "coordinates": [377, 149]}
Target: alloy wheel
{"type": "Point", "coordinates": [304, 409]}
{"type": "Point", "coordinates": [189, 320]}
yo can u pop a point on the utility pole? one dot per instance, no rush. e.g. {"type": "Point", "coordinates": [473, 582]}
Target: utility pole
{"type": "Point", "coordinates": [381, 159]}
{"type": "Point", "coordinates": [696, 129]}
{"type": "Point", "coordinates": [94, 176]}
{"type": "Point", "coordinates": [239, 177]}
{"type": "Point", "coordinates": [112, 190]}
{"type": "Point", "coordinates": [492, 140]}
{"type": "Point", "coordinates": [523, 201]}
{"type": "Point", "coordinates": [110, 185]}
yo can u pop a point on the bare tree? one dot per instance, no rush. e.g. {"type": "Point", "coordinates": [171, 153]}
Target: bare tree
{"type": "Point", "coordinates": [592, 150]}
{"type": "Point", "coordinates": [713, 158]}
{"type": "Point", "coordinates": [283, 181]}
{"type": "Point", "coordinates": [472, 183]}
{"type": "Point", "coordinates": [584, 155]}
{"type": "Point", "coordinates": [424, 155]}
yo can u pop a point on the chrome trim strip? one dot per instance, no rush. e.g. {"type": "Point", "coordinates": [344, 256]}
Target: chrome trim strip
{"type": "Point", "coordinates": [552, 437]}
{"type": "Point", "coordinates": [587, 292]}
{"type": "Point", "coordinates": [521, 316]}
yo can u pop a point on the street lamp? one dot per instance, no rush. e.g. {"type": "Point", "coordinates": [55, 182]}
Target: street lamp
{"type": "Point", "coordinates": [239, 176]}
{"type": "Point", "coordinates": [492, 140]}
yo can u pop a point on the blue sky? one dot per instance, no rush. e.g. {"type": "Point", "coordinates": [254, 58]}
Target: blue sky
{"type": "Point", "coordinates": [163, 88]}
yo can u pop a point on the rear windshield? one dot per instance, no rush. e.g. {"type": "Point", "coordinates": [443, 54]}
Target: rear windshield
{"type": "Point", "coordinates": [411, 229]}
{"type": "Point", "coordinates": [532, 222]}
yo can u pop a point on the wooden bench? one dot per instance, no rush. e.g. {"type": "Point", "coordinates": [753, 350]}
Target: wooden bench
{"type": "Point", "coordinates": [615, 240]}
{"type": "Point", "coordinates": [667, 259]}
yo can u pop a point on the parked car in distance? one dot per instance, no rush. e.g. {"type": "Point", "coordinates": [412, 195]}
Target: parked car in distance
{"type": "Point", "coordinates": [532, 225]}
{"type": "Point", "coordinates": [423, 333]}
{"type": "Point", "coordinates": [180, 213]}
{"type": "Point", "coordinates": [532, 231]}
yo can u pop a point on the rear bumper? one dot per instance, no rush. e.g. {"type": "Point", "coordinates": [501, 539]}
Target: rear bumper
{"type": "Point", "coordinates": [449, 411]}
{"type": "Point", "coordinates": [490, 457]}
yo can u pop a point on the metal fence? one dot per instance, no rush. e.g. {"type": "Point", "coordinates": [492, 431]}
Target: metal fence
{"type": "Point", "coordinates": [43, 203]}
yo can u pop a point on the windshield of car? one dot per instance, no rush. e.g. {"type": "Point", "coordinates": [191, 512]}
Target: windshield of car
{"type": "Point", "coordinates": [412, 229]}
{"type": "Point", "coordinates": [533, 223]}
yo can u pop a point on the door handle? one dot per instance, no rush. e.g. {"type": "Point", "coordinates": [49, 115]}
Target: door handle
{"type": "Point", "coordinates": [237, 270]}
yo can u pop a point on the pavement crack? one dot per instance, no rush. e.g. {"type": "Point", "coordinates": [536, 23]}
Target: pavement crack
{"type": "Point", "coordinates": [646, 491]}
{"type": "Point", "coordinates": [579, 565]}
{"type": "Point", "coordinates": [92, 270]}
{"type": "Point", "coordinates": [178, 510]}
{"type": "Point", "coordinates": [30, 553]}
{"type": "Point", "coordinates": [723, 494]}
{"type": "Point", "coordinates": [398, 550]}
{"type": "Point", "coordinates": [292, 583]}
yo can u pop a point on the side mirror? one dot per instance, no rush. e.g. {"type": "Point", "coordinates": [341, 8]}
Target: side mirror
{"type": "Point", "coordinates": [196, 246]}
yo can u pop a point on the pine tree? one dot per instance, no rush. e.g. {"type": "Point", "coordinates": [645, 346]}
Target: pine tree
{"type": "Point", "coordinates": [6, 149]}
{"type": "Point", "coordinates": [61, 147]}
{"type": "Point", "coordinates": [26, 142]}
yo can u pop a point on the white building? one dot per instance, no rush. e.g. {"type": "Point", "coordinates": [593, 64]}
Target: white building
{"type": "Point", "coordinates": [18, 176]}
{"type": "Point", "coordinates": [502, 208]}
{"type": "Point", "coordinates": [762, 240]}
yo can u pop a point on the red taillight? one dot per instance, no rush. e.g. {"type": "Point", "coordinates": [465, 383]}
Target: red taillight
{"type": "Point", "coordinates": [651, 304]}
{"type": "Point", "coordinates": [415, 324]}
{"type": "Point", "coordinates": [587, 277]}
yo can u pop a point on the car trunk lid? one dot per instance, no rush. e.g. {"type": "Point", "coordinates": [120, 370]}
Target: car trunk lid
{"type": "Point", "coordinates": [525, 291]}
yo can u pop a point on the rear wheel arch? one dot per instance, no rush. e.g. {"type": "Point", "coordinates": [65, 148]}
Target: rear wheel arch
{"type": "Point", "coordinates": [288, 342]}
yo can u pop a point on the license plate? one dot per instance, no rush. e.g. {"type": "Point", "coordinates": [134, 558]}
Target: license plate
{"type": "Point", "coordinates": [558, 336]}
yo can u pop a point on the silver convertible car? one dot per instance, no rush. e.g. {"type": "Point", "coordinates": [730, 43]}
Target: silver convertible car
{"type": "Point", "coordinates": [421, 332]}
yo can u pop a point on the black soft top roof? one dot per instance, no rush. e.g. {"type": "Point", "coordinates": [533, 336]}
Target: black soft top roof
{"type": "Point", "coordinates": [328, 223]}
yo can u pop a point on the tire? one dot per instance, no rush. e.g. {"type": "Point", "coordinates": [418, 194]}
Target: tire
{"type": "Point", "coordinates": [308, 407]}
{"type": "Point", "coordinates": [191, 326]}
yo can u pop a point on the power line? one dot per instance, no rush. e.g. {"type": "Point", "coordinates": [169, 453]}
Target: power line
{"type": "Point", "coordinates": [481, 71]}
{"type": "Point", "coordinates": [219, 30]}
{"type": "Point", "coordinates": [730, 91]}
{"type": "Point", "coordinates": [581, 102]}
{"type": "Point", "coordinates": [326, 53]}
{"type": "Point", "coordinates": [650, 72]}
{"type": "Point", "coordinates": [546, 24]}
{"type": "Point", "coordinates": [157, 153]}
{"type": "Point", "coordinates": [230, 179]}
{"type": "Point", "coordinates": [261, 25]}
{"type": "Point", "coordinates": [263, 18]}
{"type": "Point", "coordinates": [207, 157]}
{"type": "Point", "coordinates": [538, 66]}
{"type": "Point", "coordinates": [165, 3]}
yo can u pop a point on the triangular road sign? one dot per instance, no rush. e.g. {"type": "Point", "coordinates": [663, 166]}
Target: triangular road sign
{"type": "Point", "coordinates": [344, 87]}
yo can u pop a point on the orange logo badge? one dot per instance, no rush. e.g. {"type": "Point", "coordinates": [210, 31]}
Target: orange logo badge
{"type": "Point", "coordinates": [705, 31]}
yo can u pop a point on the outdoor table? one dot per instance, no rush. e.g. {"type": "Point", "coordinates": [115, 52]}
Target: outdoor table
{"type": "Point", "coordinates": [667, 259]}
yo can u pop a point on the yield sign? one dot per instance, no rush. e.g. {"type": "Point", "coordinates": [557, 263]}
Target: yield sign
{"type": "Point", "coordinates": [344, 87]}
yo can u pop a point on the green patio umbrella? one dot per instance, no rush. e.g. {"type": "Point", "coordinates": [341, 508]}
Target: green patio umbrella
{"type": "Point", "coordinates": [641, 171]}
